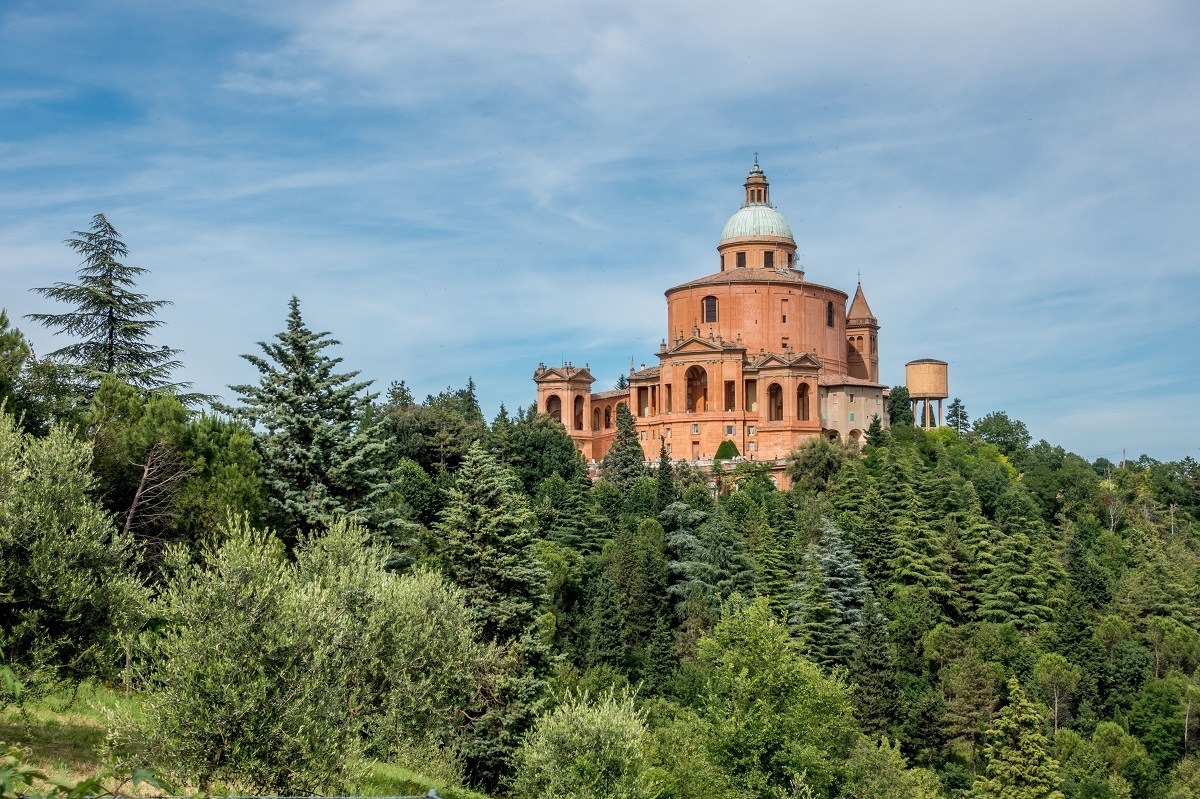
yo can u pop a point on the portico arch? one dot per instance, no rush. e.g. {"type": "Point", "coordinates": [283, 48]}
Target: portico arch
{"type": "Point", "coordinates": [554, 407]}
{"type": "Point", "coordinates": [697, 389]}
{"type": "Point", "coordinates": [774, 403]}
{"type": "Point", "coordinates": [596, 419]}
{"type": "Point", "coordinates": [579, 413]}
{"type": "Point", "coordinates": [802, 396]}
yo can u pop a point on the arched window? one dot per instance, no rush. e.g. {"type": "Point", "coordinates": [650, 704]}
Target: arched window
{"type": "Point", "coordinates": [554, 407]}
{"type": "Point", "coordinates": [579, 413]}
{"type": "Point", "coordinates": [708, 309]}
{"type": "Point", "coordinates": [596, 419]}
{"type": "Point", "coordinates": [802, 402]}
{"type": "Point", "coordinates": [774, 403]}
{"type": "Point", "coordinates": [697, 389]}
{"type": "Point", "coordinates": [829, 314]}
{"type": "Point", "coordinates": [607, 417]}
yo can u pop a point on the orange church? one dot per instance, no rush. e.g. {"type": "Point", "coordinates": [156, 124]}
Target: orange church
{"type": "Point", "coordinates": [755, 354]}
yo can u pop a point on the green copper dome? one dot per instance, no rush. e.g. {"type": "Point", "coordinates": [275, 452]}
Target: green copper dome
{"type": "Point", "coordinates": [756, 219]}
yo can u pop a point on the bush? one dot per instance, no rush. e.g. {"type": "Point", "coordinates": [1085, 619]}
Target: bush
{"type": "Point", "coordinates": [586, 748]}
{"type": "Point", "coordinates": [278, 677]}
{"type": "Point", "coordinates": [726, 450]}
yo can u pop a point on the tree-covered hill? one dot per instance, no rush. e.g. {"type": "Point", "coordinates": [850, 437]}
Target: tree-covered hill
{"type": "Point", "coordinates": [319, 578]}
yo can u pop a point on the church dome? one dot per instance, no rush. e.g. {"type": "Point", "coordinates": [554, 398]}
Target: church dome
{"type": "Point", "coordinates": [755, 220]}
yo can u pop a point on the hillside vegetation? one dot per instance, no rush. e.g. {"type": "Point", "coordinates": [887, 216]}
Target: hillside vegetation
{"type": "Point", "coordinates": [319, 589]}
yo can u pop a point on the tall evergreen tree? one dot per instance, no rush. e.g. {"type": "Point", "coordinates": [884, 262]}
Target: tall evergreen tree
{"type": "Point", "coordinates": [113, 320]}
{"type": "Point", "coordinates": [816, 622]}
{"type": "Point", "coordinates": [668, 491]}
{"type": "Point", "coordinates": [956, 417]}
{"type": "Point", "coordinates": [321, 457]}
{"type": "Point", "coordinates": [604, 646]}
{"type": "Point", "coordinates": [1019, 764]}
{"type": "Point", "coordinates": [487, 533]}
{"type": "Point", "coordinates": [1015, 590]}
{"type": "Point", "coordinates": [848, 589]}
{"type": "Point", "coordinates": [873, 670]}
{"type": "Point", "coordinates": [899, 407]}
{"type": "Point", "coordinates": [625, 462]}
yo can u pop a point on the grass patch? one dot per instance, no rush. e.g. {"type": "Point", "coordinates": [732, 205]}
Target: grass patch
{"type": "Point", "coordinates": [385, 779]}
{"type": "Point", "coordinates": [64, 730]}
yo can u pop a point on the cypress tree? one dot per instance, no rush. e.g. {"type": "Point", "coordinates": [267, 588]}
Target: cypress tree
{"type": "Point", "coordinates": [724, 551]}
{"type": "Point", "coordinates": [873, 670]}
{"type": "Point", "coordinates": [1019, 765]}
{"type": "Point", "coordinates": [899, 407]}
{"type": "Point", "coordinates": [667, 490]}
{"type": "Point", "coordinates": [321, 455]}
{"type": "Point", "coordinates": [625, 462]}
{"type": "Point", "coordinates": [637, 565]}
{"type": "Point", "coordinates": [604, 646]}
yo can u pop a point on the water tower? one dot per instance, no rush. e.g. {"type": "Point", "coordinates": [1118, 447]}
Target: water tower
{"type": "Point", "coordinates": [927, 379]}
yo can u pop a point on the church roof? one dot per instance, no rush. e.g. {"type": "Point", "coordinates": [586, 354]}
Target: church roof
{"type": "Point", "coordinates": [859, 310]}
{"type": "Point", "coordinates": [756, 219]}
{"type": "Point", "coordinates": [824, 379]}
{"type": "Point", "coordinates": [750, 275]}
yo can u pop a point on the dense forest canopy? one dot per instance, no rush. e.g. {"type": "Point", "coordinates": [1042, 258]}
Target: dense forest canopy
{"type": "Point", "coordinates": [320, 576]}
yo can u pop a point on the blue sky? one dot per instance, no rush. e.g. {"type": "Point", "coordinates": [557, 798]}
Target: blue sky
{"type": "Point", "coordinates": [465, 189]}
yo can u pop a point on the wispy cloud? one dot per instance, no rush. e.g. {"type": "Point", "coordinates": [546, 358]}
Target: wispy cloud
{"type": "Point", "coordinates": [469, 188]}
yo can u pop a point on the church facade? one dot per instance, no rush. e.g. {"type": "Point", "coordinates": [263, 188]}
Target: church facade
{"type": "Point", "coordinates": [755, 354]}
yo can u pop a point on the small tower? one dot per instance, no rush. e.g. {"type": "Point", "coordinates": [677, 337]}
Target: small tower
{"type": "Point", "coordinates": [927, 379]}
{"type": "Point", "coordinates": [758, 191]}
{"type": "Point", "coordinates": [862, 339]}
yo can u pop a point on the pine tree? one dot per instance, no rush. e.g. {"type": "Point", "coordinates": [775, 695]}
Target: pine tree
{"type": "Point", "coordinates": [625, 462]}
{"type": "Point", "coordinates": [1019, 765]}
{"type": "Point", "coordinates": [321, 458]}
{"type": "Point", "coordinates": [875, 435]}
{"type": "Point", "coordinates": [622, 383]}
{"type": "Point", "coordinates": [114, 321]}
{"type": "Point", "coordinates": [873, 670]}
{"type": "Point", "coordinates": [956, 417]}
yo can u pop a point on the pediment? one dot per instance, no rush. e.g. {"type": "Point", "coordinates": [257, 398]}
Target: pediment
{"type": "Point", "coordinates": [699, 344]}
{"type": "Point", "coordinates": [570, 374]}
{"type": "Point", "coordinates": [804, 361]}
